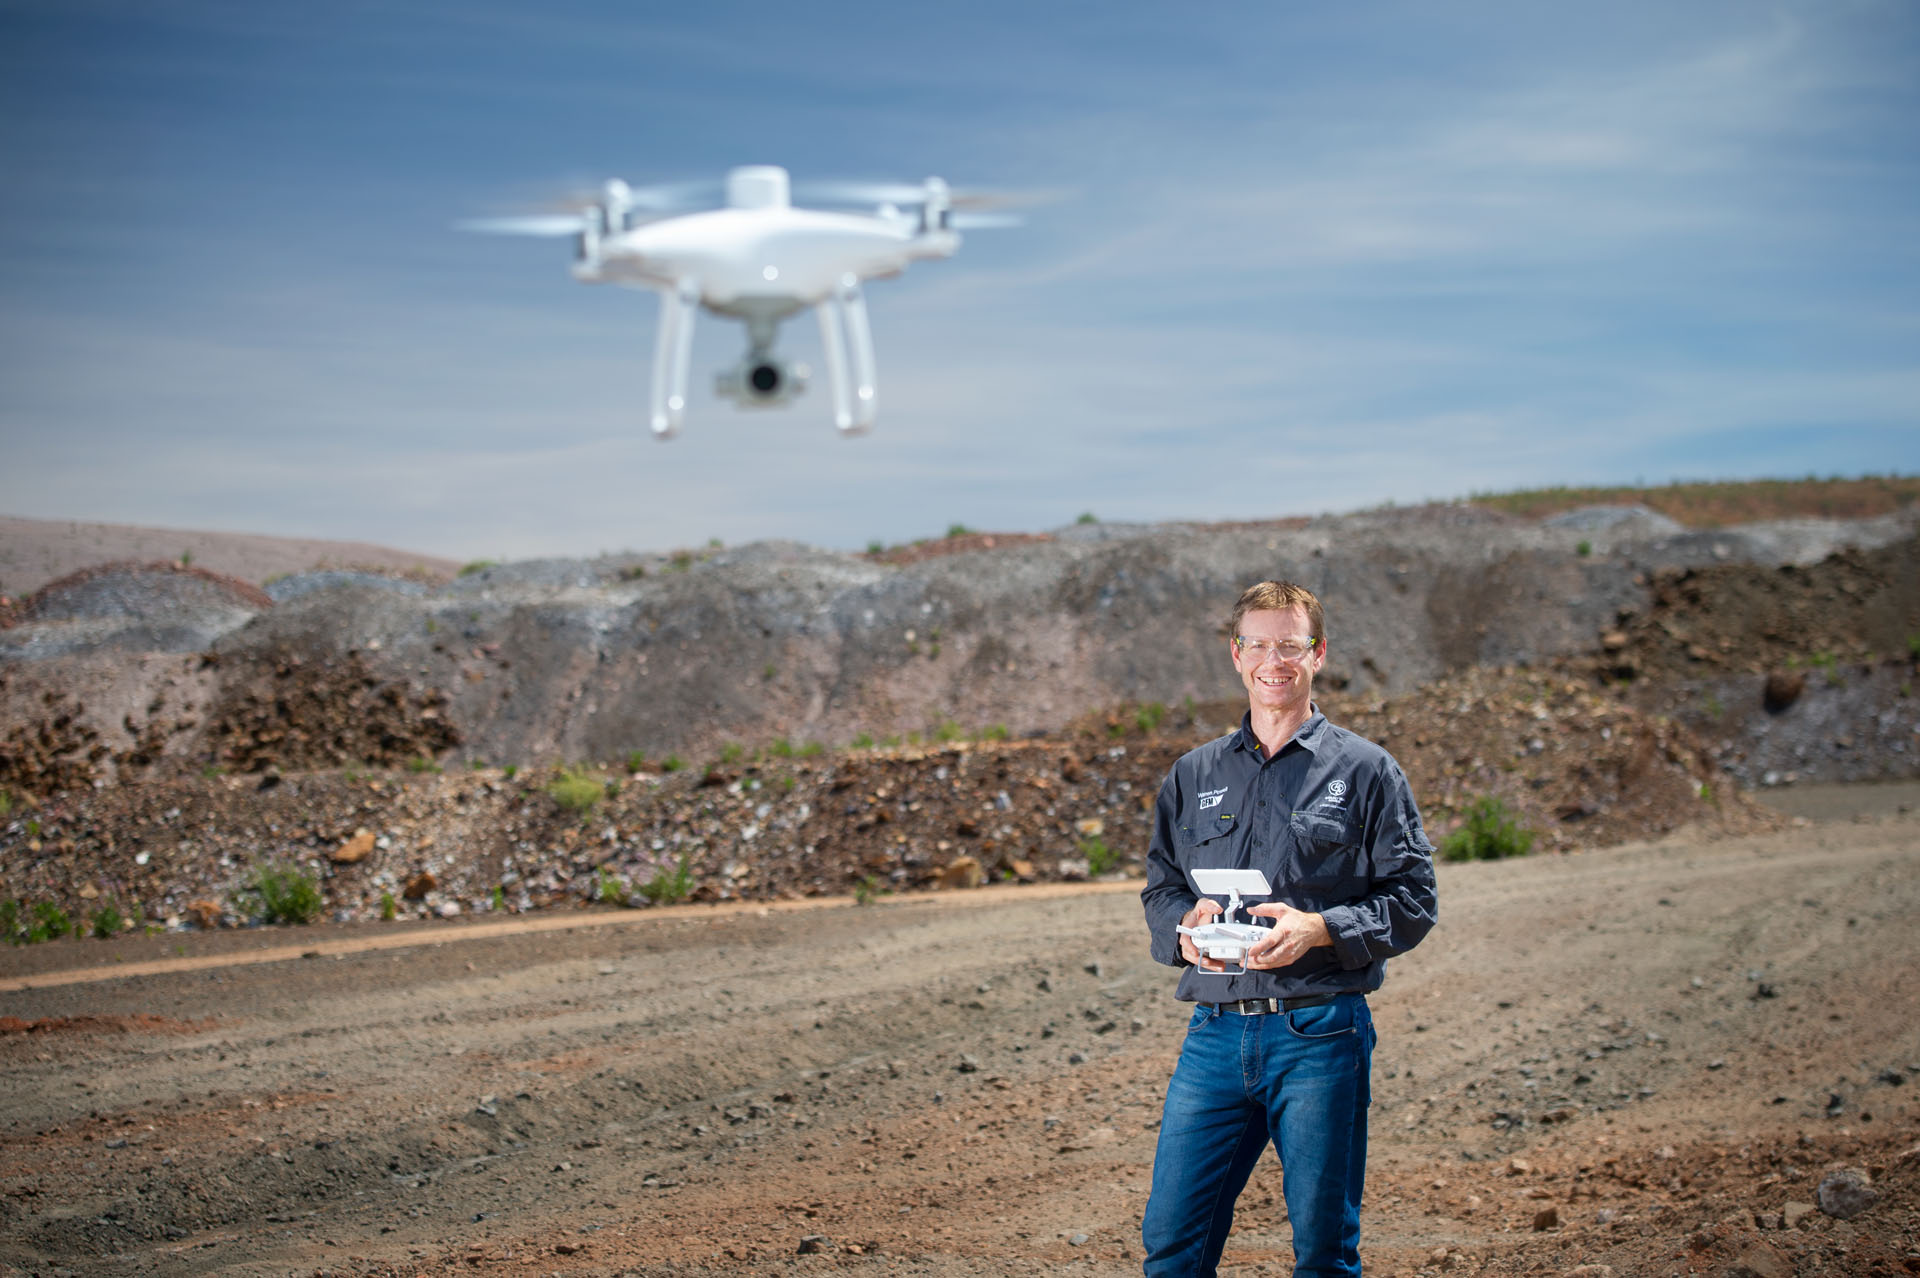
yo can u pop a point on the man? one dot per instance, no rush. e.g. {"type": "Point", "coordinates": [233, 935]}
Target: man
{"type": "Point", "coordinates": [1281, 1052]}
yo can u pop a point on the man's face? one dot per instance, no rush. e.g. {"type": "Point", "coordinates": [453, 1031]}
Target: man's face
{"type": "Point", "coordinates": [1273, 683]}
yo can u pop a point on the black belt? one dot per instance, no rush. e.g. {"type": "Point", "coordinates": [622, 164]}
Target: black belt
{"type": "Point", "coordinates": [1263, 1006]}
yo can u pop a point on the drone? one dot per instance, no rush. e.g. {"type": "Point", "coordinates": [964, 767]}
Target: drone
{"type": "Point", "coordinates": [1226, 940]}
{"type": "Point", "coordinates": [761, 260]}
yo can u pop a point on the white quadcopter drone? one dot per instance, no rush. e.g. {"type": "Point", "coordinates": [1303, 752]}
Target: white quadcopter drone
{"type": "Point", "coordinates": [1224, 939]}
{"type": "Point", "coordinates": [761, 260]}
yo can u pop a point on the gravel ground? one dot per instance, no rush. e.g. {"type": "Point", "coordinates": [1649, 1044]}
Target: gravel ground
{"type": "Point", "coordinates": [1651, 1058]}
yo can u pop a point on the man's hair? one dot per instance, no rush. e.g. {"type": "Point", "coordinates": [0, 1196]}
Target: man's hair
{"type": "Point", "coordinates": [1273, 596]}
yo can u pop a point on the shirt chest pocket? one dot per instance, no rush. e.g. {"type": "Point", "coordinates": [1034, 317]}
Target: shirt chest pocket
{"type": "Point", "coordinates": [1327, 858]}
{"type": "Point", "coordinates": [1206, 841]}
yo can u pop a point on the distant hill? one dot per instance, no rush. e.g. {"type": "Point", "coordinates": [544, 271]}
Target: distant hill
{"type": "Point", "coordinates": [36, 551]}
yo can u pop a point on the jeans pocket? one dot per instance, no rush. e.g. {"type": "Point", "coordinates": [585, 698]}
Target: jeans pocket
{"type": "Point", "coordinates": [1318, 1024]}
{"type": "Point", "coordinates": [1202, 1013]}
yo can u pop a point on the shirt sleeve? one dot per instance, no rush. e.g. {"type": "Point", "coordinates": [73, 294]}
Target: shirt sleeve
{"type": "Point", "coordinates": [1401, 905]}
{"type": "Point", "coordinates": [1167, 896]}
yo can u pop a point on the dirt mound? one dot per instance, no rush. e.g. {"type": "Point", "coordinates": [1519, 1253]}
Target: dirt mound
{"type": "Point", "coordinates": [1567, 757]}
{"type": "Point", "coordinates": [295, 713]}
{"type": "Point", "coordinates": [1855, 606]}
{"type": "Point", "coordinates": [1572, 762]}
{"type": "Point", "coordinates": [128, 589]}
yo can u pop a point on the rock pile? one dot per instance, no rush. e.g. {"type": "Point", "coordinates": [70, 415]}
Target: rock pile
{"type": "Point", "coordinates": [1576, 765]}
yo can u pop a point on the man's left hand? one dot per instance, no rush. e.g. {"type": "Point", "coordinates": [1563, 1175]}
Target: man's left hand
{"type": "Point", "coordinates": [1294, 933]}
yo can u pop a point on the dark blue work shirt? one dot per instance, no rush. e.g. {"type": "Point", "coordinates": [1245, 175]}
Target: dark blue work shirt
{"type": "Point", "coordinates": [1331, 822]}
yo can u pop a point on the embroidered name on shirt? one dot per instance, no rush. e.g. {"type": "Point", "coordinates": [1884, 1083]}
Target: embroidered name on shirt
{"type": "Point", "coordinates": [1211, 798]}
{"type": "Point", "coordinates": [1336, 795]}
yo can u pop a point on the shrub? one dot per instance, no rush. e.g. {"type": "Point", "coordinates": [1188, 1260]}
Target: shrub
{"type": "Point", "coordinates": [672, 763]}
{"type": "Point", "coordinates": [575, 791]}
{"type": "Point", "coordinates": [280, 894]}
{"type": "Point", "coordinates": [107, 921]}
{"type": "Point", "coordinates": [609, 890]}
{"type": "Point", "coordinates": [1087, 517]}
{"type": "Point", "coordinates": [477, 565]}
{"type": "Point", "coordinates": [636, 761]}
{"type": "Point", "coordinates": [666, 888]}
{"type": "Point", "coordinates": [1148, 717]}
{"type": "Point", "coordinates": [422, 763]}
{"type": "Point", "coordinates": [958, 530]}
{"type": "Point", "coordinates": [731, 752]}
{"type": "Point", "coordinates": [389, 908]}
{"type": "Point", "coordinates": [867, 888]}
{"type": "Point", "coordinates": [1489, 833]}
{"type": "Point", "coordinates": [1584, 549]}
{"type": "Point", "coordinates": [863, 741]}
{"type": "Point", "coordinates": [947, 731]}
{"type": "Point", "coordinates": [994, 732]}
{"type": "Point", "coordinates": [1101, 859]}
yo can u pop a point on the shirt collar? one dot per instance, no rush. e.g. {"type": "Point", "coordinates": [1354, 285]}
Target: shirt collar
{"type": "Point", "coordinates": [1307, 736]}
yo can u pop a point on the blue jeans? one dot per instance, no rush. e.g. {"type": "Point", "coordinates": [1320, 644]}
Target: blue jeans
{"type": "Point", "coordinates": [1298, 1078]}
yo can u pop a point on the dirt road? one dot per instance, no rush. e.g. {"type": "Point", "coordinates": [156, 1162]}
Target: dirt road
{"type": "Point", "coordinates": [1646, 1058]}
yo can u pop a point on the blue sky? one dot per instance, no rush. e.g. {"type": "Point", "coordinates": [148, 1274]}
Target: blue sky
{"type": "Point", "coordinates": [1317, 258]}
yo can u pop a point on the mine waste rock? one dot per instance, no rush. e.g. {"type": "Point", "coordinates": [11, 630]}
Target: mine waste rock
{"type": "Point", "coordinates": [772, 720]}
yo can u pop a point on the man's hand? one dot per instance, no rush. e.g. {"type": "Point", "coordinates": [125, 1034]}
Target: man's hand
{"type": "Point", "coordinates": [1294, 933]}
{"type": "Point", "coordinates": [1203, 909]}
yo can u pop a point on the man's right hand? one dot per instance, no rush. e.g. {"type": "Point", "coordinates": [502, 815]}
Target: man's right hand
{"type": "Point", "coordinates": [1203, 909]}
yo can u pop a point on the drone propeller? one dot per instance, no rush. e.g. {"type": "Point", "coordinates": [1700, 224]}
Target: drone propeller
{"type": "Point", "coordinates": [548, 224]}
{"type": "Point", "coordinates": [933, 190]}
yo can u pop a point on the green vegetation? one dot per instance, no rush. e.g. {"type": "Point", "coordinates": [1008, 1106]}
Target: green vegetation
{"type": "Point", "coordinates": [947, 731]}
{"type": "Point", "coordinates": [421, 763]}
{"type": "Point", "coordinates": [670, 888]}
{"type": "Point", "coordinates": [24, 924]}
{"type": "Point", "coordinates": [1829, 665]}
{"type": "Point", "coordinates": [108, 921]}
{"type": "Point", "coordinates": [732, 752]}
{"type": "Point", "coordinates": [510, 771]}
{"type": "Point", "coordinates": [672, 763]}
{"type": "Point", "coordinates": [477, 565]}
{"type": "Point", "coordinates": [636, 761]}
{"type": "Point", "coordinates": [1715, 504]}
{"type": "Point", "coordinates": [863, 742]}
{"type": "Point", "coordinates": [993, 732]}
{"type": "Point", "coordinates": [1087, 517]}
{"type": "Point", "coordinates": [497, 901]}
{"type": "Point", "coordinates": [1584, 549]}
{"type": "Point", "coordinates": [1101, 859]}
{"type": "Point", "coordinates": [389, 908]}
{"type": "Point", "coordinates": [876, 548]}
{"type": "Point", "coordinates": [608, 889]}
{"type": "Point", "coordinates": [868, 888]}
{"type": "Point", "coordinates": [575, 791]}
{"type": "Point", "coordinates": [958, 530]}
{"type": "Point", "coordinates": [281, 894]}
{"type": "Point", "coordinates": [1148, 717]}
{"type": "Point", "coordinates": [1489, 833]}
{"type": "Point", "coordinates": [6, 801]}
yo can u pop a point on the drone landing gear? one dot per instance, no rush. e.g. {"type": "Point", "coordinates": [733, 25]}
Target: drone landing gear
{"type": "Point", "coordinates": [672, 352]}
{"type": "Point", "coordinates": [846, 311]}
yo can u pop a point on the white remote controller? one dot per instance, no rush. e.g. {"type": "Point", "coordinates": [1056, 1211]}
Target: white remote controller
{"type": "Point", "coordinates": [1224, 939]}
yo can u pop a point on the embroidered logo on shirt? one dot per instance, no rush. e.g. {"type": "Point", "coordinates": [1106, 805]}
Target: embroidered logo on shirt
{"type": "Point", "coordinates": [1212, 798]}
{"type": "Point", "coordinates": [1336, 794]}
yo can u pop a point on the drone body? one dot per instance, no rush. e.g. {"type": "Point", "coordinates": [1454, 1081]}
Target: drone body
{"type": "Point", "coordinates": [759, 260]}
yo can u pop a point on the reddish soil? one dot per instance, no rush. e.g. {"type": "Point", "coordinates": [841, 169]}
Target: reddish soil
{"type": "Point", "coordinates": [1648, 1058]}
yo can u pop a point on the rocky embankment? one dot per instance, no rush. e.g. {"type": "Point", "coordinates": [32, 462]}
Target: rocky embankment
{"type": "Point", "coordinates": [164, 731]}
